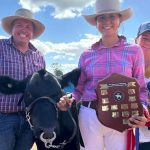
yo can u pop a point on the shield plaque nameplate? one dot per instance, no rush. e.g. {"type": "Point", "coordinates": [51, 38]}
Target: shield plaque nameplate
{"type": "Point", "coordinates": [118, 100]}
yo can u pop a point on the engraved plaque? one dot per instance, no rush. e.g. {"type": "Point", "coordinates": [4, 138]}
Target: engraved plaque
{"type": "Point", "coordinates": [132, 98]}
{"type": "Point", "coordinates": [135, 112]}
{"type": "Point", "coordinates": [131, 91]}
{"type": "Point", "coordinates": [134, 106]}
{"type": "Point", "coordinates": [131, 84]}
{"type": "Point", "coordinates": [125, 113]}
{"type": "Point", "coordinates": [114, 107]}
{"type": "Point", "coordinates": [124, 106]}
{"type": "Point", "coordinates": [103, 92]}
{"type": "Point", "coordinates": [105, 100]}
{"type": "Point", "coordinates": [125, 121]}
{"type": "Point", "coordinates": [105, 108]}
{"type": "Point", "coordinates": [115, 114]}
{"type": "Point", "coordinates": [103, 86]}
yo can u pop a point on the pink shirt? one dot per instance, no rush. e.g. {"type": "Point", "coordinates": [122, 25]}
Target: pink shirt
{"type": "Point", "coordinates": [98, 62]}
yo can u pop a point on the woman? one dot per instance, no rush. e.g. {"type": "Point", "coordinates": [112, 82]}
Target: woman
{"type": "Point", "coordinates": [111, 54]}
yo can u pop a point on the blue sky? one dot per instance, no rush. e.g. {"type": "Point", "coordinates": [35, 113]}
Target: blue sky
{"type": "Point", "coordinates": [67, 34]}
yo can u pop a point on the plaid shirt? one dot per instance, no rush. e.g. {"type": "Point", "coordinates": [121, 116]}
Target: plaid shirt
{"type": "Point", "coordinates": [18, 66]}
{"type": "Point", "coordinates": [99, 62]}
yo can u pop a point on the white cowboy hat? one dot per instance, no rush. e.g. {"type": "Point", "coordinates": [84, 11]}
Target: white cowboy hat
{"type": "Point", "coordinates": [107, 7]}
{"type": "Point", "coordinates": [23, 14]}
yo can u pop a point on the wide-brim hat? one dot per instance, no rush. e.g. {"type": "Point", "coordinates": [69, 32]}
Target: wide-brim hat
{"type": "Point", "coordinates": [23, 14]}
{"type": "Point", "coordinates": [107, 7]}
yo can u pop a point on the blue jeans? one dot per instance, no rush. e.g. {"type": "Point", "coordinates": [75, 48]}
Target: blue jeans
{"type": "Point", "coordinates": [15, 133]}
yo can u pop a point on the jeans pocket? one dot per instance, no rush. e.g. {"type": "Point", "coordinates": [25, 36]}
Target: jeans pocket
{"type": "Point", "coordinates": [2, 116]}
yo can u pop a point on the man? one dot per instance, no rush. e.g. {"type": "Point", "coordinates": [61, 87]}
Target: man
{"type": "Point", "coordinates": [18, 59]}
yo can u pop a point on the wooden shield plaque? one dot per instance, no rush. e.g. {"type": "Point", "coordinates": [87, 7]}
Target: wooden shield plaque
{"type": "Point", "coordinates": [118, 100]}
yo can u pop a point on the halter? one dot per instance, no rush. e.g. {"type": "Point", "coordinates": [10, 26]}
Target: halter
{"type": "Point", "coordinates": [49, 142]}
{"type": "Point", "coordinates": [28, 109]}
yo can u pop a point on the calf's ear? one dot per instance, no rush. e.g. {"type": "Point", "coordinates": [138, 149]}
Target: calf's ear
{"type": "Point", "coordinates": [9, 85]}
{"type": "Point", "coordinates": [71, 76]}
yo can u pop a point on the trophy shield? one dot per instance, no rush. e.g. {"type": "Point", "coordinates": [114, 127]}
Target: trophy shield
{"type": "Point", "coordinates": [118, 100]}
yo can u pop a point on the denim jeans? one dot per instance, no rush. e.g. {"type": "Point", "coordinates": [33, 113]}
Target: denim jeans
{"type": "Point", "coordinates": [144, 146]}
{"type": "Point", "coordinates": [15, 133]}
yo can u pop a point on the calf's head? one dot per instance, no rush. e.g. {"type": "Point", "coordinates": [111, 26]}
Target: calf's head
{"type": "Point", "coordinates": [42, 91]}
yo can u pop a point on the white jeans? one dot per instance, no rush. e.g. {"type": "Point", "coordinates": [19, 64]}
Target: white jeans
{"type": "Point", "coordinates": [96, 136]}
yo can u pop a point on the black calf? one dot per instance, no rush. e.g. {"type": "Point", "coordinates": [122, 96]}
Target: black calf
{"type": "Point", "coordinates": [53, 128]}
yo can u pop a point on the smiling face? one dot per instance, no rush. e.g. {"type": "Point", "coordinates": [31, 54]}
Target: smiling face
{"type": "Point", "coordinates": [22, 31]}
{"type": "Point", "coordinates": [144, 41]}
{"type": "Point", "coordinates": [108, 24]}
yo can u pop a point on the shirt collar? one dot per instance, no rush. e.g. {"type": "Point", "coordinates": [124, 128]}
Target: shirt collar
{"type": "Point", "coordinates": [98, 45]}
{"type": "Point", "coordinates": [11, 42]}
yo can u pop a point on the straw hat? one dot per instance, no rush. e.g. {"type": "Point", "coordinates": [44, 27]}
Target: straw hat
{"type": "Point", "coordinates": [23, 14]}
{"type": "Point", "coordinates": [107, 7]}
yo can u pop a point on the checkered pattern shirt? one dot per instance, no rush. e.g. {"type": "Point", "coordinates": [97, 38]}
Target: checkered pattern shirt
{"type": "Point", "coordinates": [98, 62]}
{"type": "Point", "coordinates": [18, 66]}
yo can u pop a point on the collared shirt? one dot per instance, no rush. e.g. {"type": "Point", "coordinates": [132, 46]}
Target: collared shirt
{"type": "Point", "coordinates": [15, 64]}
{"type": "Point", "coordinates": [147, 80]}
{"type": "Point", "coordinates": [99, 61]}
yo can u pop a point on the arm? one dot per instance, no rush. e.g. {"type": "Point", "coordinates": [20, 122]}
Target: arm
{"type": "Point", "coordinates": [138, 73]}
{"type": "Point", "coordinates": [79, 89]}
{"type": "Point", "coordinates": [76, 95]}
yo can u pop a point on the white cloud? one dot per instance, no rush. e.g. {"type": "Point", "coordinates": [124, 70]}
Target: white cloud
{"type": "Point", "coordinates": [64, 51]}
{"type": "Point", "coordinates": [68, 67]}
{"type": "Point", "coordinates": [58, 57]}
{"type": "Point", "coordinates": [67, 51]}
{"type": "Point", "coordinates": [3, 37]}
{"type": "Point", "coordinates": [64, 67]}
{"type": "Point", "coordinates": [62, 8]}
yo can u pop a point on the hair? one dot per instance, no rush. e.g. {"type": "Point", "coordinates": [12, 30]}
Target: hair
{"type": "Point", "coordinates": [108, 13]}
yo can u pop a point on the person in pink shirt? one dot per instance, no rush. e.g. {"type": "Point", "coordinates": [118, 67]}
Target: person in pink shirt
{"type": "Point", "coordinates": [111, 54]}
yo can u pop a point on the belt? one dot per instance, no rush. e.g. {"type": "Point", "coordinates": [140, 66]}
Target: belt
{"type": "Point", "coordinates": [90, 104]}
{"type": "Point", "coordinates": [22, 113]}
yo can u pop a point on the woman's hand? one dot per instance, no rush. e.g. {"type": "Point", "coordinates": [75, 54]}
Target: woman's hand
{"type": "Point", "coordinates": [64, 102]}
{"type": "Point", "coordinates": [137, 121]}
